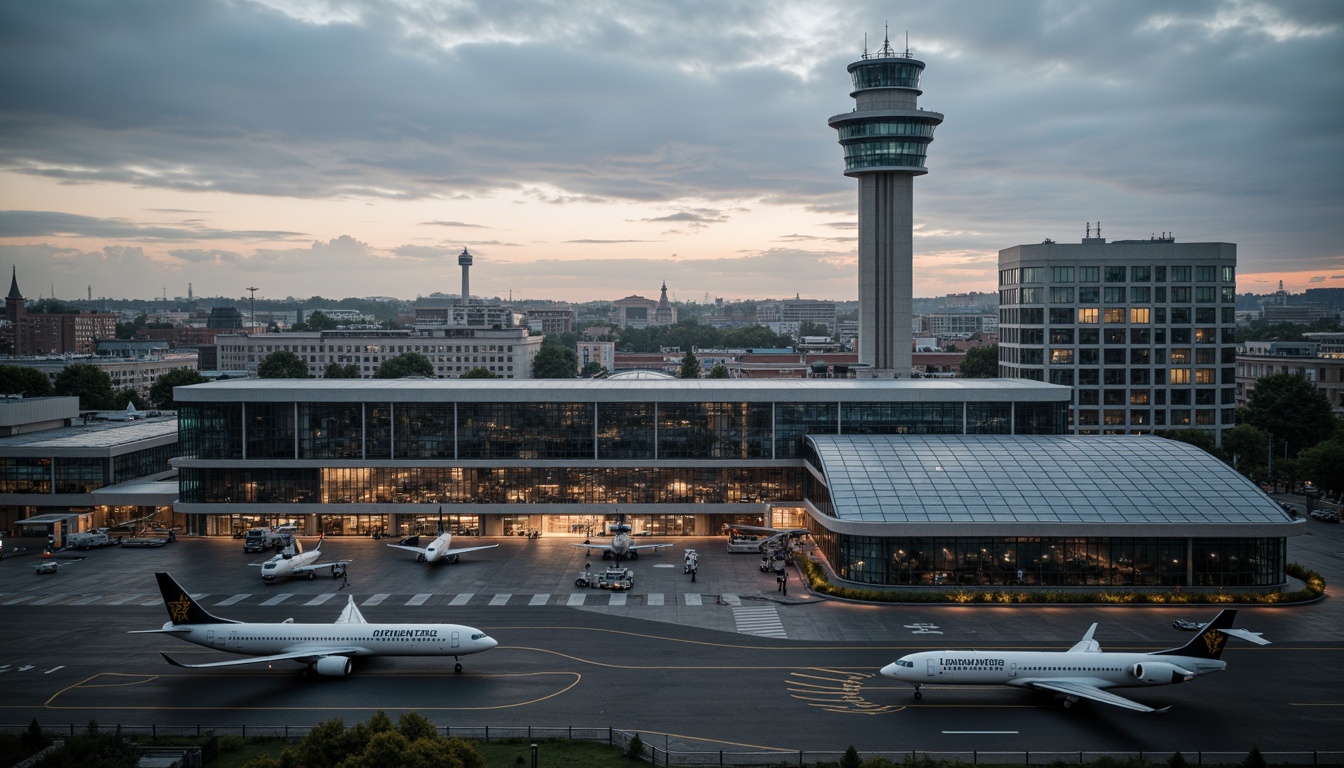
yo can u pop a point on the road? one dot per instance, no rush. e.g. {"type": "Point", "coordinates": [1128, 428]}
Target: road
{"type": "Point", "coordinates": [721, 663]}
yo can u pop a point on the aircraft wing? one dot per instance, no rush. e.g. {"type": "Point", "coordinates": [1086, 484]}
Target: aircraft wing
{"type": "Point", "coordinates": [591, 547]}
{"type": "Point", "coordinates": [319, 566]}
{"type": "Point", "coordinates": [637, 547]}
{"type": "Point", "coordinates": [463, 550]}
{"type": "Point", "coordinates": [294, 656]}
{"type": "Point", "coordinates": [408, 548]}
{"type": "Point", "coordinates": [1090, 692]}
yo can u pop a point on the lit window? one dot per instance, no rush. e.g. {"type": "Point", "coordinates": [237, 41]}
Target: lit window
{"type": "Point", "coordinates": [1089, 315]}
{"type": "Point", "coordinates": [1180, 376]}
{"type": "Point", "coordinates": [1139, 315]}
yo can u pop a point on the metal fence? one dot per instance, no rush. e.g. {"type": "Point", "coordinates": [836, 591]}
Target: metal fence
{"type": "Point", "coordinates": [658, 749]}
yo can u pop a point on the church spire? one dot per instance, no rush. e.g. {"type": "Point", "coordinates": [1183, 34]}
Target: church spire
{"type": "Point", "coordinates": [14, 285]}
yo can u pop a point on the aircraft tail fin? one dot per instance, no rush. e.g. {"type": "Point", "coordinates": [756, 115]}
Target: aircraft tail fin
{"type": "Point", "coordinates": [182, 609]}
{"type": "Point", "coordinates": [1208, 644]}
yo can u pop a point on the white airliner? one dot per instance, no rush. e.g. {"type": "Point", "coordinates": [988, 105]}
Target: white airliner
{"type": "Point", "coordinates": [293, 561]}
{"type": "Point", "coordinates": [1082, 672]}
{"type": "Point", "coordinates": [622, 544]}
{"type": "Point", "coordinates": [440, 549]}
{"type": "Point", "coordinates": [327, 649]}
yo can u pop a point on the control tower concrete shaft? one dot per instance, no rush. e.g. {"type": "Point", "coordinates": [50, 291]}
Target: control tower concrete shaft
{"type": "Point", "coordinates": [885, 139]}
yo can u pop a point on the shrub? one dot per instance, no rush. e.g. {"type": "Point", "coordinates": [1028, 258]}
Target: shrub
{"type": "Point", "coordinates": [635, 748]}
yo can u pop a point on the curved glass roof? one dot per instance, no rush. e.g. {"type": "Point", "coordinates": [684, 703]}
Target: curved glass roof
{"type": "Point", "coordinates": [1063, 479]}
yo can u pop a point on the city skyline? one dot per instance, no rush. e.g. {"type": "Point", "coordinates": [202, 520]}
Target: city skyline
{"type": "Point", "coordinates": [352, 149]}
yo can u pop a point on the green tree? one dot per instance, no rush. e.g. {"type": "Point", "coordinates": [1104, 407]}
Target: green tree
{"type": "Point", "coordinates": [89, 383]}
{"type": "Point", "coordinates": [981, 363]}
{"type": "Point", "coordinates": [719, 371]}
{"type": "Point", "coordinates": [813, 329]}
{"type": "Point", "coordinates": [318, 320]}
{"type": "Point", "coordinates": [1291, 409]}
{"type": "Point", "coordinates": [162, 390]}
{"type": "Point", "coordinates": [22, 380]}
{"type": "Point", "coordinates": [403, 365]}
{"type": "Point", "coordinates": [128, 396]}
{"type": "Point", "coordinates": [478, 373]}
{"type": "Point", "coordinates": [341, 371]}
{"type": "Point", "coordinates": [1246, 449]}
{"type": "Point", "coordinates": [690, 367]}
{"type": "Point", "coordinates": [851, 758]}
{"type": "Point", "coordinates": [555, 362]}
{"type": "Point", "coordinates": [1323, 465]}
{"type": "Point", "coordinates": [282, 365]}
{"type": "Point", "coordinates": [593, 368]}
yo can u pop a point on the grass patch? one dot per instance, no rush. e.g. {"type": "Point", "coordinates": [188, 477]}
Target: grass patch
{"type": "Point", "coordinates": [553, 754]}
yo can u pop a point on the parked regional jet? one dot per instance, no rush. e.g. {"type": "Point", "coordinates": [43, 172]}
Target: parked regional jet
{"type": "Point", "coordinates": [439, 549]}
{"type": "Point", "coordinates": [327, 649]}
{"type": "Point", "coordinates": [293, 561]}
{"type": "Point", "coordinates": [1082, 672]}
{"type": "Point", "coordinates": [622, 545]}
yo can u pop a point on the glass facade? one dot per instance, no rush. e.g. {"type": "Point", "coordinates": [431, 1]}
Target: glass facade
{"type": "Point", "coordinates": [886, 73]}
{"type": "Point", "coordinates": [972, 561]}
{"type": "Point", "coordinates": [474, 485]}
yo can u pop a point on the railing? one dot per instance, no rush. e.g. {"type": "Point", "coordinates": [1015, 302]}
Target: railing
{"type": "Point", "coordinates": [680, 751]}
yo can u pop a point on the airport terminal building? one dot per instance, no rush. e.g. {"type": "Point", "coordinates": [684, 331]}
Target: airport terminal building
{"type": "Point", "coordinates": [900, 481]}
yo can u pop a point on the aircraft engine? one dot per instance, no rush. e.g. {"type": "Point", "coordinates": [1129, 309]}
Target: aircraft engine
{"type": "Point", "coordinates": [333, 666]}
{"type": "Point", "coordinates": [1161, 673]}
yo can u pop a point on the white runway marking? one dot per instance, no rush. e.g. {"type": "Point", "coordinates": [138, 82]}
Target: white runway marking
{"type": "Point", "coordinates": [377, 599]}
{"type": "Point", "coordinates": [462, 599]}
{"type": "Point", "coordinates": [656, 598]}
{"type": "Point", "coordinates": [420, 598]}
{"type": "Point", "coordinates": [617, 598]}
{"type": "Point", "coordinates": [278, 599]}
{"type": "Point", "coordinates": [732, 599]}
{"type": "Point", "coordinates": [235, 599]}
{"type": "Point", "coordinates": [127, 599]}
{"type": "Point", "coordinates": [152, 601]}
{"type": "Point", "coordinates": [87, 600]}
{"type": "Point", "coordinates": [576, 599]}
{"type": "Point", "coordinates": [320, 599]}
{"type": "Point", "coordinates": [693, 599]}
{"type": "Point", "coordinates": [53, 669]}
{"type": "Point", "coordinates": [500, 599]}
{"type": "Point", "coordinates": [47, 599]}
{"type": "Point", "coordinates": [18, 600]}
{"type": "Point", "coordinates": [539, 600]}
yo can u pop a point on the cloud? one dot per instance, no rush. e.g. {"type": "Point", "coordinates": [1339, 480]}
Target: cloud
{"type": "Point", "coordinates": [454, 224]}
{"type": "Point", "coordinates": [53, 223]}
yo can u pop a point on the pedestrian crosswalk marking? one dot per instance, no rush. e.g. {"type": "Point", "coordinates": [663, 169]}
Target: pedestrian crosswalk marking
{"type": "Point", "coordinates": [462, 599]}
{"type": "Point", "coordinates": [500, 599]}
{"type": "Point", "coordinates": [539, 600]}
{"type": "Point", "coordinates": [692, 599]}
{"type": "Point", "coordinates": [732, 599]}
{"type": "Point", "coordinates": [759, 620]}
{"type": "Point", "coordinates": [377, 599]}
{"type": "Point", "coordinates": [46, 600]}
{"type": "Point", "coordinates": [576, 598]}
{"type": "Point", "coordinates": [235, 599]}
{"type": "Point", "coordinates": [419, 599]}
{"type": "Point", "coordinates": [278, 599]}
{"type": "Point", "coordinates": [320, 599]}
{"type": "Point", "coordinates": [617, 599]}
{"type": "Point", "coordinates": [128, 598]}
{"type": "Point", "coordinates": [18, 599]}
{"type": "Point", "coordinates": [655, 598]}
{"type": "Point", "coordinates": [87, 600]}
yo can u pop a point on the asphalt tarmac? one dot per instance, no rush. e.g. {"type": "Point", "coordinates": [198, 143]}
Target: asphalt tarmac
{"type": "Point", "coordinates": [725, 662]}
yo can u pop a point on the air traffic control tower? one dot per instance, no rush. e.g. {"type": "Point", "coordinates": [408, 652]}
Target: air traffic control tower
{"type": "Point", "coordinates": [885, 139]}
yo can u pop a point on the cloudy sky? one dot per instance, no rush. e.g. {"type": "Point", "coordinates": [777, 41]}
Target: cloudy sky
{"type": "Point", "coordinates": [593, 150]}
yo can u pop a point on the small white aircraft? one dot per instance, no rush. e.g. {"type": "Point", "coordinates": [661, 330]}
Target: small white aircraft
{"type": "Point", "coordinates": [293, 561]}
{"type": "Point", "coordinates": [622, 544]}
{"type": "Point", "coordinates": [327, 649]}
{"type": "Point", "coordinates": [441, 548]}
{"type": "Point", "coordinates": [1082, 672]}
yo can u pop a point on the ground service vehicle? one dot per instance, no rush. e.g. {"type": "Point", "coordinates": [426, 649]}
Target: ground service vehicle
{"type": "Point", "coordinates": [88, 540]}
{"type": "Point", "coordinates": [263, 539]}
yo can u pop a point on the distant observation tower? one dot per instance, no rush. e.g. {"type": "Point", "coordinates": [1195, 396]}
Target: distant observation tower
{"type": "Point", "coordinates": [464, 260]}
{"type": "Point", "coordinates": [885, 139]}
